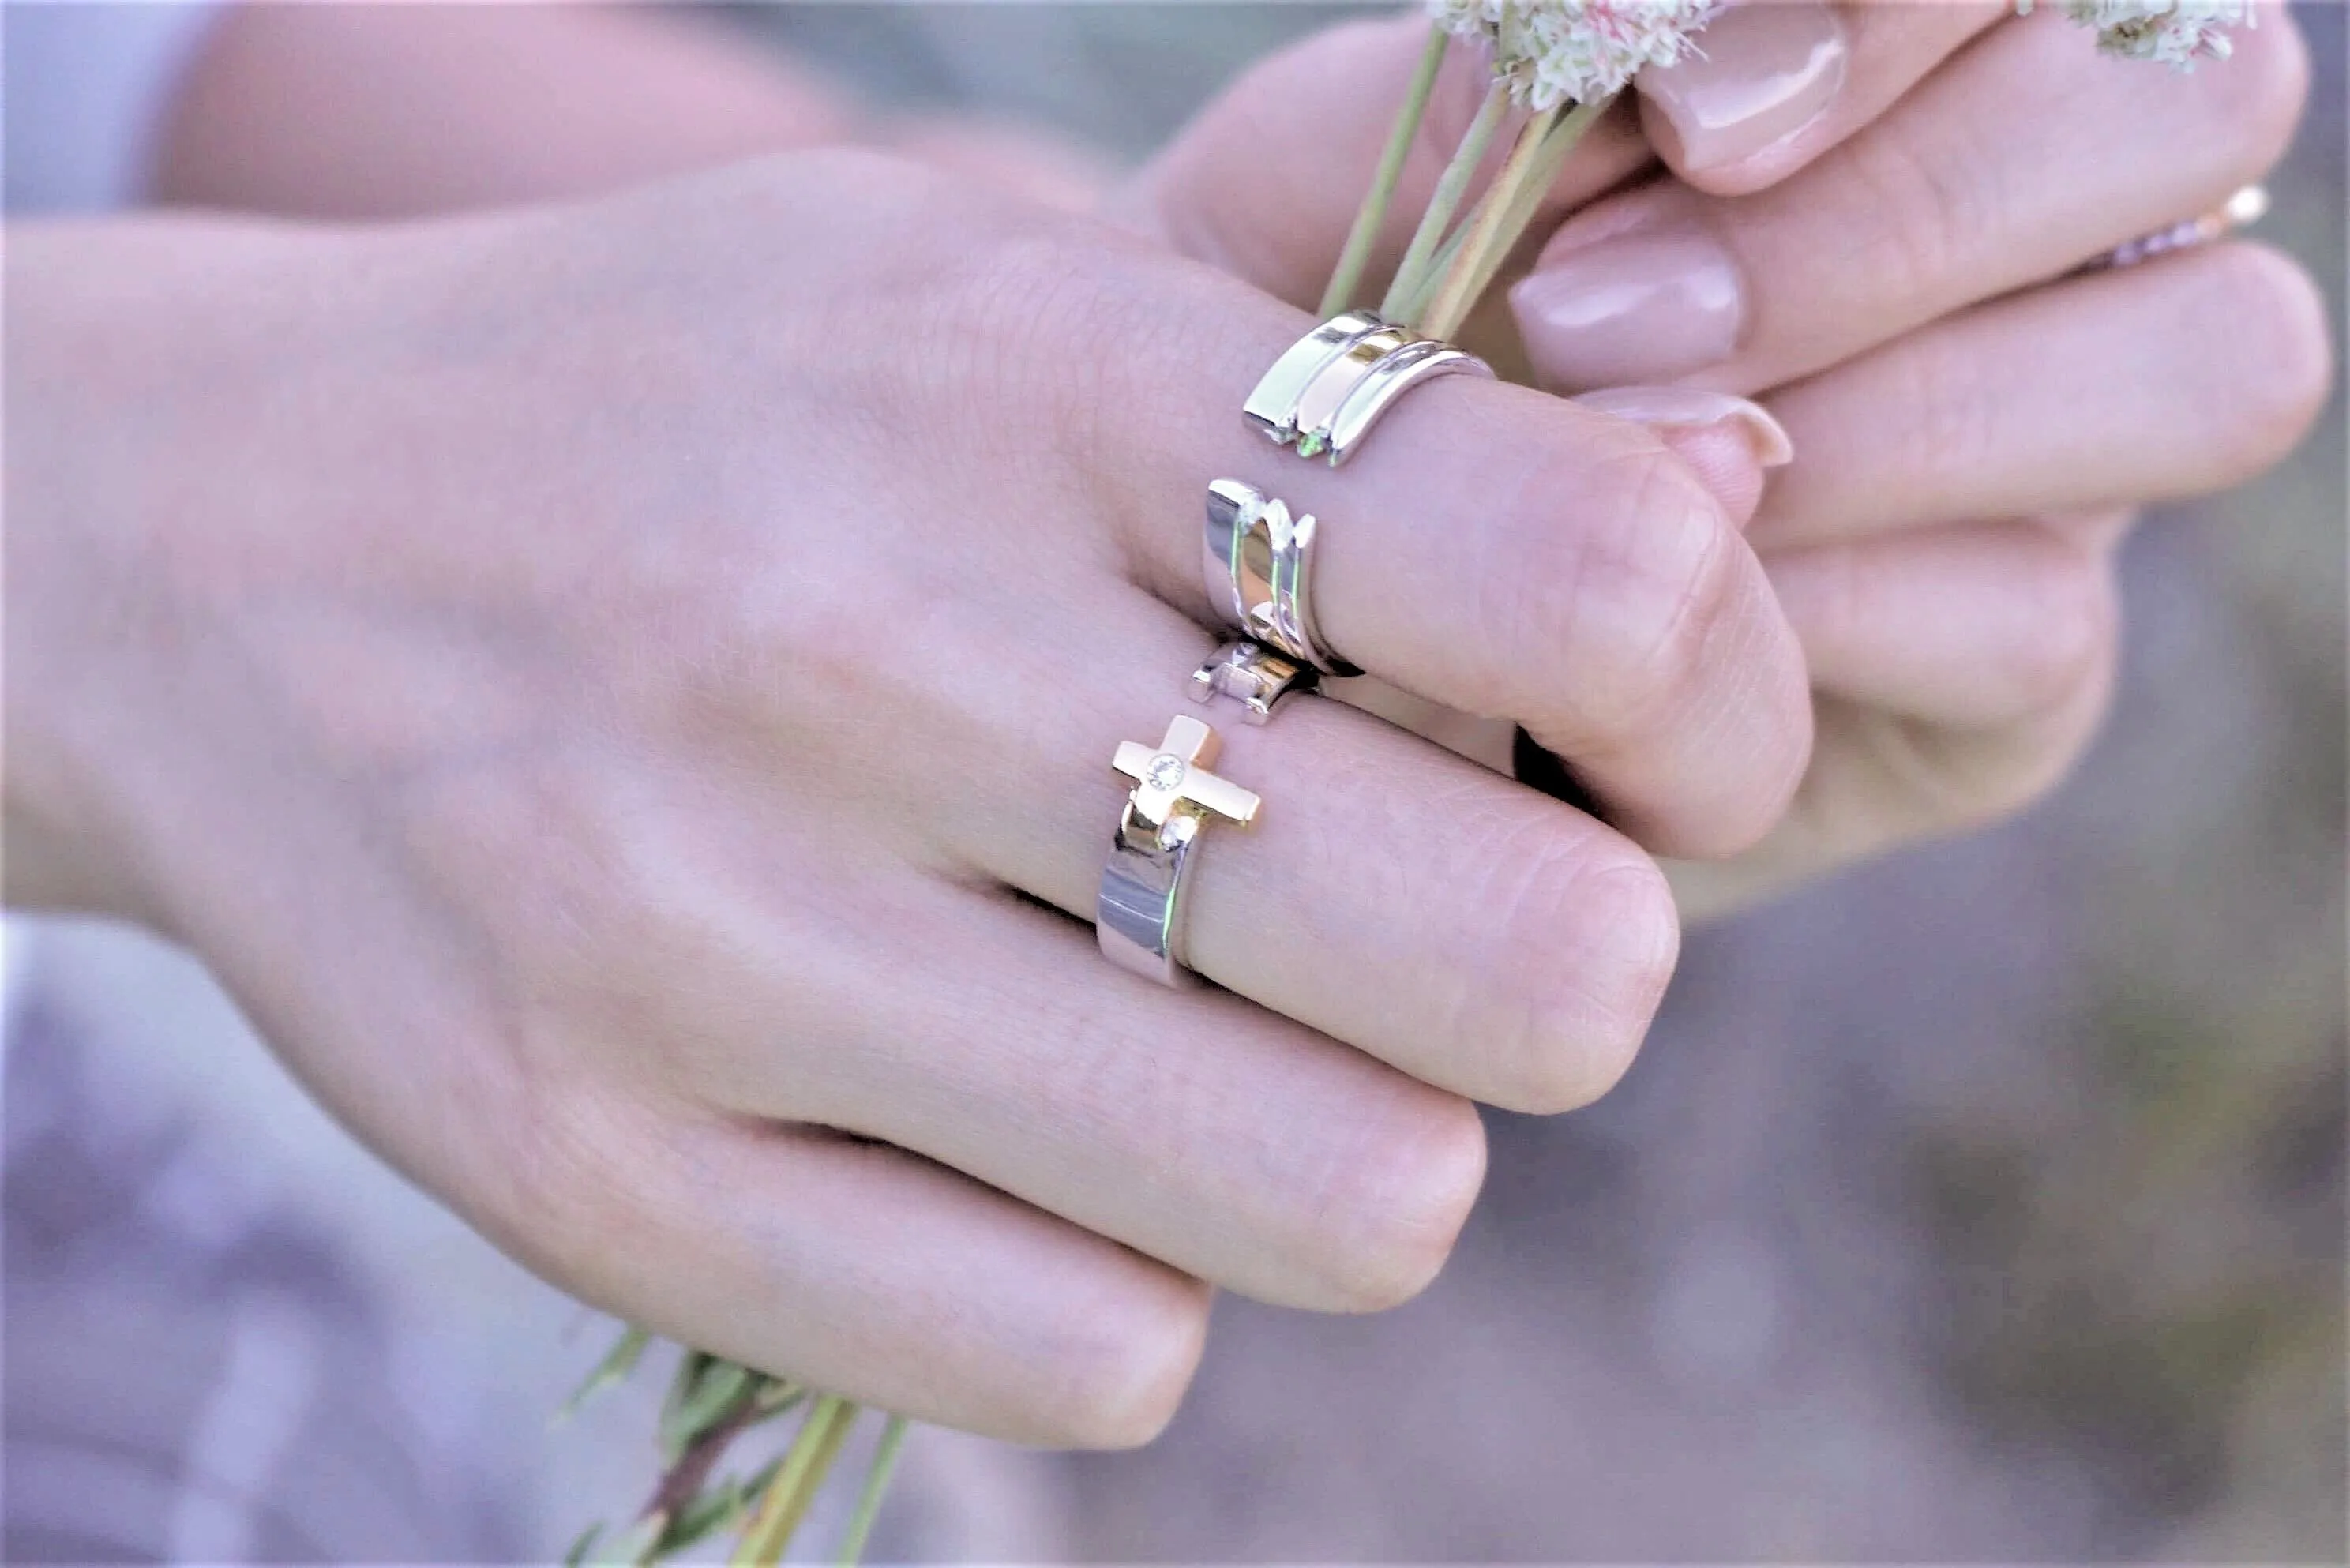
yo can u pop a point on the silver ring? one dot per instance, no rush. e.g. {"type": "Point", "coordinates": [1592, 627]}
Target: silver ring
{"type": "Point", "coordinates": [1139, 916]}
{"type": "Point", "coordinates": [2248, 207]}
{"type": "Point", "coordinates": [1329, 387]}
{"type": "Point", "coordinates": [1271, 408]}
{"type": "Point", "coordinates": [1257, 563]}
{"type": "Point", "coordinates": [1253, 678]}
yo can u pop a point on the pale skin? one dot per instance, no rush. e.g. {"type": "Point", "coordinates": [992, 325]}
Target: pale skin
{"type": "Point", "coordinates": [593, 680]}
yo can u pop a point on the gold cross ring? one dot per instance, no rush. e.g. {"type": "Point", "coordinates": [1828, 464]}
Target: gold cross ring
{"type": "Point", "coordinates": [1175, 776]}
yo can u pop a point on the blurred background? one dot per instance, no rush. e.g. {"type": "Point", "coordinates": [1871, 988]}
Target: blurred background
{"type": "Point", "coordinates": [1984, 1204]}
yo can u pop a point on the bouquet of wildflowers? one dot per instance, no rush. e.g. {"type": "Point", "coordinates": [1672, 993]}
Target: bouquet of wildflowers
{"type": "Point", "coordinates": [1553, 68]}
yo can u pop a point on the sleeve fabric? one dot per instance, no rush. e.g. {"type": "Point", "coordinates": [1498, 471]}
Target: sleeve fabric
{"type": "Point", "coordinates": [84, 85]}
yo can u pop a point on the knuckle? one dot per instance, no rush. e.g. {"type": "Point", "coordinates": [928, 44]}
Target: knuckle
{"type": "Point", "coordinates": [1581, 962]}
{"type": "Point", "coordinates": [1954, 414]}
{"type": "Point", "coordinates": [2270, 315]}
{"type": "Point", "coordinates": [2074, 629]}
{"type": "Point", "coordinates": [2045, 756]}
{"type": "Point", "coordinates": [1120, 1363]}
{"type": "Point", "coordinates": [1918, 211]}
{"type": "Point", "coordinates": [1632, 596]}
{"type": "Point", "coordinates": [1386, 1212]}
{"type": "Point", "coordinates": [559, 1207]}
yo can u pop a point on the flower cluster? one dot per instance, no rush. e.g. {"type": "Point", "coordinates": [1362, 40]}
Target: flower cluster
{"type": "Point", "coordinates": [2175, 32]}
{"type": "Point", "coordinates": [1553, 52]}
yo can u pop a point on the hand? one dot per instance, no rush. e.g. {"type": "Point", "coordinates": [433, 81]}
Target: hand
{"type": "Point", "coordinates": [623, 694]}
{"type": "Point", "coordinates": [1972, 428]}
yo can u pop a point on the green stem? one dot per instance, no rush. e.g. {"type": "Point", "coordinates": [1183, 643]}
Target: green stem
{"type": "Point", "coordinates": [876, 1484]}
{"type": "Point", "coordinates": [1502, 218]}
{"type": "Point", "coordinates": [1558, 146]}
{"type": "Point", "coordinates": [1372, 215]}
{"type": "Point", "coordinates": [1450, 188]}
{"type": "Point", "coordinates": [787, 1497]}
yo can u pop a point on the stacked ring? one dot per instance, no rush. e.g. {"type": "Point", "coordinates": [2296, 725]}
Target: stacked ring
{"type": "Point", "coordinates": [1138, 914]}
{"type": "Point", "coordinates": [1257, 562]}
{"type": "Point", "coordinates": [1253, 678]}
{"type": "Point", "coordinates": [1327, 392]}
{"type": "Point", "coordinates": [1321, 397]}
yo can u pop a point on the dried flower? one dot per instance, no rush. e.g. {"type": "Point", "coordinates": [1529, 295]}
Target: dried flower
{"type": "Point", "coordinates": [2177, 33]}
{"type": "Point", "coordinates": [1554, 52]}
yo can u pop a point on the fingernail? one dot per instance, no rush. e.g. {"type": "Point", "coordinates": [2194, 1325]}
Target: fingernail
{"type": "Point", "coordinates": [1638, 307]}
{"type": "Point", "coordinates": [1768, 69]}
{"type": "Point", "coordinates": [1686, 409]}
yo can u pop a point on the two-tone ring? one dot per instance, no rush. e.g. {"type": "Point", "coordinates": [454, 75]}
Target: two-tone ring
{"type": "Point", "coordinates": [1257, 564]}
{"type": "Point", "coordinates": [1139, 916]}
{"type": "Point", "coordinates": [1323, 396]}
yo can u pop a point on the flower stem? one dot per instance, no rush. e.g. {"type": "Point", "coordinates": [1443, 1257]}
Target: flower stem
{"type": "Point", "coordinates": [876, 1484]}
{"type": "Point", "coordinates": [1450, 188]}
{"type": "Point", "coordinates": [1507, 213]}
{"type": "Point", "coordinates": [1372, 215]}
{"type": "Point", "coordinates": [787, 1500]}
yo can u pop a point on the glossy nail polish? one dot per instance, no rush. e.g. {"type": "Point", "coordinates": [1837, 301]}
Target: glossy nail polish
{"type": "Point", "coordinates": [1643, 307]}
{"type": "Point", "coordinates": [1768, 69]}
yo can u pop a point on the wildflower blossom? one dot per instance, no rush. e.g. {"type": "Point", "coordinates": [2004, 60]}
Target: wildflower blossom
{"type": "Point", "coordinates": [1554, 52]}
{"type": "Point", "coordinates": [2175, 32]}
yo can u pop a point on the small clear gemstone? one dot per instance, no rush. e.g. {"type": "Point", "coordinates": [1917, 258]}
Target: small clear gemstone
{"type": "Point", "coordinates": [1165, 773]}
{"type": "Point", "coordinates": [1311, 443]}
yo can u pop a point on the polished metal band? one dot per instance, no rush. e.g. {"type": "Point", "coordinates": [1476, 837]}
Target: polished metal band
{"type": "Point", "coordinates": [1138, 914]}
{"type": "Point", "coordinates": [1253, 679]}
{"type": "Point", "coordinates": [1256, 562]}
{"type": "Point", "coordinates": [1329, 387]}
{"type": "Point", "coordinates": [1139, 918]}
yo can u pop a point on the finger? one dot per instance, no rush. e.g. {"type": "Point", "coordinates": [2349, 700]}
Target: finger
{"type": "Point", "coordinates": [1474, 934]}
{"type": "Point", "coordinates": [1779, 82]}
{"type": "Point", "coordinates": [1971, 625]}
{"type": "Point", "coordinates": [2179, 376]}
{"type": "Point", "coordinates": [1882, 778]}
{"type": "Point", "coordinates": [1940, 204]}
{"type": "Point", "coordinates": [1492, 549]}
{"type": "Point", "coordinates": [857, 1269]}
{"type": "Point", "coordinates": [1192, 1125]}
{"type": "Point", "coordinates": [1265, 182]}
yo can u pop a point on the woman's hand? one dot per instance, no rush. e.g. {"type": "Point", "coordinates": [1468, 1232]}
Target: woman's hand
{"type": "Point", "coordinates": [624, 696]}
{"type": "Point", "coordinates": [1871, 218]}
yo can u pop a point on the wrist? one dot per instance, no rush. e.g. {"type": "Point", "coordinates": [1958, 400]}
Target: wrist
{"type": "Point", "coordinates": [104, 358]}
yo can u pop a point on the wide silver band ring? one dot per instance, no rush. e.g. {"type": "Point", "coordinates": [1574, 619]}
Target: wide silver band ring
{"type": "Point", "coordinates": [1256, 561]}
{"type": "Point", "coordinates": [1138, 917]}
{"type": "Point", "coordinates": [1329, 387]}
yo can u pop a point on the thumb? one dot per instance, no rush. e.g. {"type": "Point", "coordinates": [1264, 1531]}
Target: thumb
{"type": "Point", "coordinates": [1265, 180]}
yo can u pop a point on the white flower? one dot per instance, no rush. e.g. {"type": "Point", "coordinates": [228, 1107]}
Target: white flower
{"type": "Point", "coordinates": [2175, 32]}
{"type": "Point", "coordinates": [1575, 51]}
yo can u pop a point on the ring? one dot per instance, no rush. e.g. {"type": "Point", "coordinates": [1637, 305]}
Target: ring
{"type": "Point", "coordinates": [1139, 918]}
{"type": "Point", "coordinates": [1253, 677]}
{"type": "Point", "coordinates": [1257, 561]}
{"type": "Point", "coordinates": [1329, 387]}
{"type": "Point", "coordinates": [2246, 207]}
